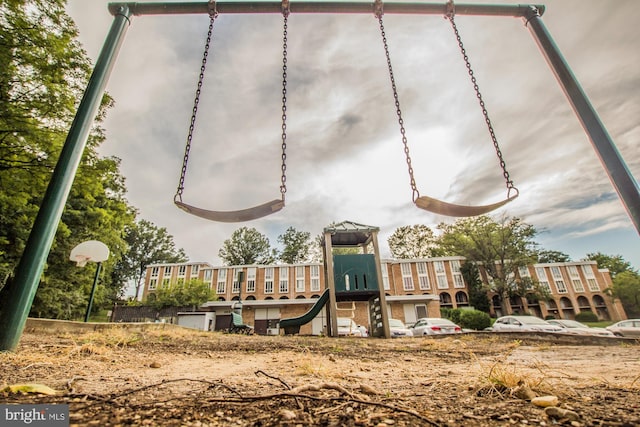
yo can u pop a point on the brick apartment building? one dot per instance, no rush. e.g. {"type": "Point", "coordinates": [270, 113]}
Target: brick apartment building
{"type": "Point", "coordinates": [414, 288]}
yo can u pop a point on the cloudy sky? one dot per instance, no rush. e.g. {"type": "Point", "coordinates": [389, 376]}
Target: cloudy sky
{"type": "Point", "coordinates": [345, 159]}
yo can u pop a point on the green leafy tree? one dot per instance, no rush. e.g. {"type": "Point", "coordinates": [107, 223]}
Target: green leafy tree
{"type": "Point", "coordinates": [546, 256]}
{"type": "Point", "coordinates": [146, 244]}
{"type": "Point", "coordinates": [43, 73]}
{"type": "Point", "coordinates": [614, 263]}
{"type": "Point", "coordinates": [626, 287]}
{"type": "Point", "coordinates": [247, 246]}
{"type": "Point", "coordinates": [413, 241]}
{"type": "Point", "coordinates": [297, 246]}
{"type": "Point", "coordinates": [478, 298]}
{"type": "Point", "coordinates": [193, 293]}
{"type": "Point", "coordinates": [500, 246]}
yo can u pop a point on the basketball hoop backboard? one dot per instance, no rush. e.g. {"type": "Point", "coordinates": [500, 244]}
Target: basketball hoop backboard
{"type": "Point", "coordinates": [91, 250]}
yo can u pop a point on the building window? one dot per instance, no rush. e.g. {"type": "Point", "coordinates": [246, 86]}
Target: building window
{"type": "Point", "coordinates": [385, 277]}
{"type": "Point", "coordinates": [300, 285]}
{"type": "Point", "coordinates": [194, 270]}
{"type": "Point", "coordinates": [562, 288]}
{"type": "Point", "coordinates": [182, 270]}
{"type": "Point", "coordinates": [268, 280]}
{"type": "Point", "coordinates": [155, 271]}
{"type": "Point", "coordinates": [458, 282]}
{"type": "Point", "coordinates": [423, 276]}
{"type": "Point", "coordinates": [167, 270]}
{"type": "Point", "coordinates": [593, 285]}
{"type": "Point", "coordinates": [235, 287]}
{"type": "Point", "coordinates": [441, 275]}
{"type": "Point", "coordinates": [315, 278]}
{"type": "Point", "coordinates": [575, 278]}
{"type": "Point", "coordinates": [542, 278]}
{"type": "Point", "coordinates": [208, 275]}
{"type": "Point", "coordinates": [166, 282]}
{"type": "Point", "coordinates": [442, 281]}
{"type": "Point", "coordinates": [407, 279]}
{"type": "Point", "coordinates": [153, 284]}
{"type": "Point", "coordinates": [588, 271]}
{"type": "Point", "coordinates": [222, 281]}
{"type": "Point", "coordinates": [251, 279]}
{"type": "Point", "coordinates": [524, 272]}
{"type": "Point", "coordinates": [180, 281]}
{"type": "Point", "coordinates": [283, 287]}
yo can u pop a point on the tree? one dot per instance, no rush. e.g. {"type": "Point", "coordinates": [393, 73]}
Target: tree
{"type": "Point", "coordinates": [413, 241]}
{"type": "Point", "coordinates": [297, 246]}
{"type": "Point", "coordinates": [546, 256]}
{"type": "Point", "coordinates": [616, 264]}
{"type": "Point", "coordinates": [193, 293]}
{"type": "Point", "coordinates": [43, 73]}
{"type": "Point", "coordinates": [247, 246]}
{"type": "Point", "coordinates": [500, 246]}
{"type": "Point", "coordinates": [626, 287]}
{"type": "Point", "coordinates": [146, 244]}
{"type": "Point", "coordinates": [478, 298]}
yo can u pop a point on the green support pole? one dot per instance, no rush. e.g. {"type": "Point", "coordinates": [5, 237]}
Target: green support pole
{"type": "Point", "coordinates": [17, 305]}
{"type": "Point", "coordinates": [93, 292]}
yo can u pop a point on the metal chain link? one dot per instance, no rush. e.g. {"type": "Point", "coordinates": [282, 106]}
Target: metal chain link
{"type": "Point", "coordinates": [416, 193]}
{"type": "Point", "coordinates": [485, 113]}
{"type": "Point", "coordinates": [213, 14]}
{"type": "Point", "coordinates": [283, 178]}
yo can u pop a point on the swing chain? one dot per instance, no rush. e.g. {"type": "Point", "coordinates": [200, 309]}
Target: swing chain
{"type": "Point", "coordinates": [378, 13]}
{"type": "Point", "coordinates": [283, 178]}
{"type": "Point", "coordinates": [450, 15]}
{"type": "Point", "coordinates": [213, 14]}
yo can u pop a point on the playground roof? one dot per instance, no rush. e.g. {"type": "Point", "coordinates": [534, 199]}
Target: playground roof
{"type": "Point", "coordinates": [349, 233]}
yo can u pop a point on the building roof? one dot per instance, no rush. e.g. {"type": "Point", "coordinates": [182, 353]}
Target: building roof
{"type": "Point", "coordinates": [349, 233]}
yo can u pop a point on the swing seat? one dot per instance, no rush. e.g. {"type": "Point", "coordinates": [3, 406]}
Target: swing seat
{"type": "Point", "coordinates": [234, 216]}
{"type": "Point", "coordinates": [450, 209]}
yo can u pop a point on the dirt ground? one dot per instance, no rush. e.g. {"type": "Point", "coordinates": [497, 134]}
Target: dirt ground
{"type": "Point", "coordinates": [177, 377]}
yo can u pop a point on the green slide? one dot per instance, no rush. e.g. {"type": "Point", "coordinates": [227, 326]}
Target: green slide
{"type": "Point", "coordinates": [292, 326]}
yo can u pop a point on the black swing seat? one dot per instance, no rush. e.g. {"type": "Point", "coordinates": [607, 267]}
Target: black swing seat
{"type": "Point", "coordinates": [234, 216]}
{"type": "Point", "coordinates": [450, 209]}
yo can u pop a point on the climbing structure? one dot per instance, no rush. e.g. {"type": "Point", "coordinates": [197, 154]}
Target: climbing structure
{"type": "Point", "coordinates": [354, 277]}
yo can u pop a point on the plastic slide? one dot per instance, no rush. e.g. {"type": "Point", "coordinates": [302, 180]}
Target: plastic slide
{"type": "Point", "coordinates": [292, 325]}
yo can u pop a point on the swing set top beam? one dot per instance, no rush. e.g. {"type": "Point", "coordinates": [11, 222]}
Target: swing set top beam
{"type": "Point", "coordinates": [239, 7]}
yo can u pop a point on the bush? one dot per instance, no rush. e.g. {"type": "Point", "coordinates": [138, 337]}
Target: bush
{"type": "Point", "coordinates": [587, 316]}
{"type": "Point", "coordinates": [452, 314]}
{"type": "Point", "coordinates": [474, 319]}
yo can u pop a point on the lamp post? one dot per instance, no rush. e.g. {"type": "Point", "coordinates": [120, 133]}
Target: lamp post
{"type": "Point", "coordinates": [91, 250]}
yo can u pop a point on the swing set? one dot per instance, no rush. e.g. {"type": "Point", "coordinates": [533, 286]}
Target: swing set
{"type": "Point", "coordinates": [424, 202]}
{"type": "Point", "coordinates": [17, 304]}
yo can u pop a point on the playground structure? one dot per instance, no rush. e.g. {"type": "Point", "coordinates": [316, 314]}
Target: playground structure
{"type": "Point", "coordinates": [349, 278]}
{"type": "Point", "coordinates": [29, 270]}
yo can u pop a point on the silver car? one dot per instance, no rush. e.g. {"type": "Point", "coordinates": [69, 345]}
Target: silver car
{"type": "Point", "coordinates": [398, 329]}
{"type": "Point", "coordinates": [577, 328]}
{"type": "Point", "coordinates": [626, 328]}
{"type": "Point", "coordinates": [523, 324]}
{"type": "Point", "coordinates": [434, 326]}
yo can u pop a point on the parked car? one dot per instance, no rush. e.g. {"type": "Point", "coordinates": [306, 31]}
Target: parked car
{"type": "Point", "coordinates": [523, 324]}
{"type": "Point", "coordinates": [577, 328]}
{"type": "Point", "coordinates": [398, 329]}
{"type": "Point", "coordinates": [347, 327]}
{"type": "Point", "coordinates": [626, 328]}
{"type": "Point", "coordinates": [434, 326]}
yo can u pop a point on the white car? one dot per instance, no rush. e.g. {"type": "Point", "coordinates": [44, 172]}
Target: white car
{"type": "Point", "coordinates": [626, 328]}
{"type": "Point", "coordinates": [398, 329]}
{"type": "Point", "coordinates": [577, 328]}
{"type": "Point", "coordinates": [348, 328]}
{"type": "Point", "coordinates": [523, 324]}
{"type": "Point", "coordinates": [434, 326]}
